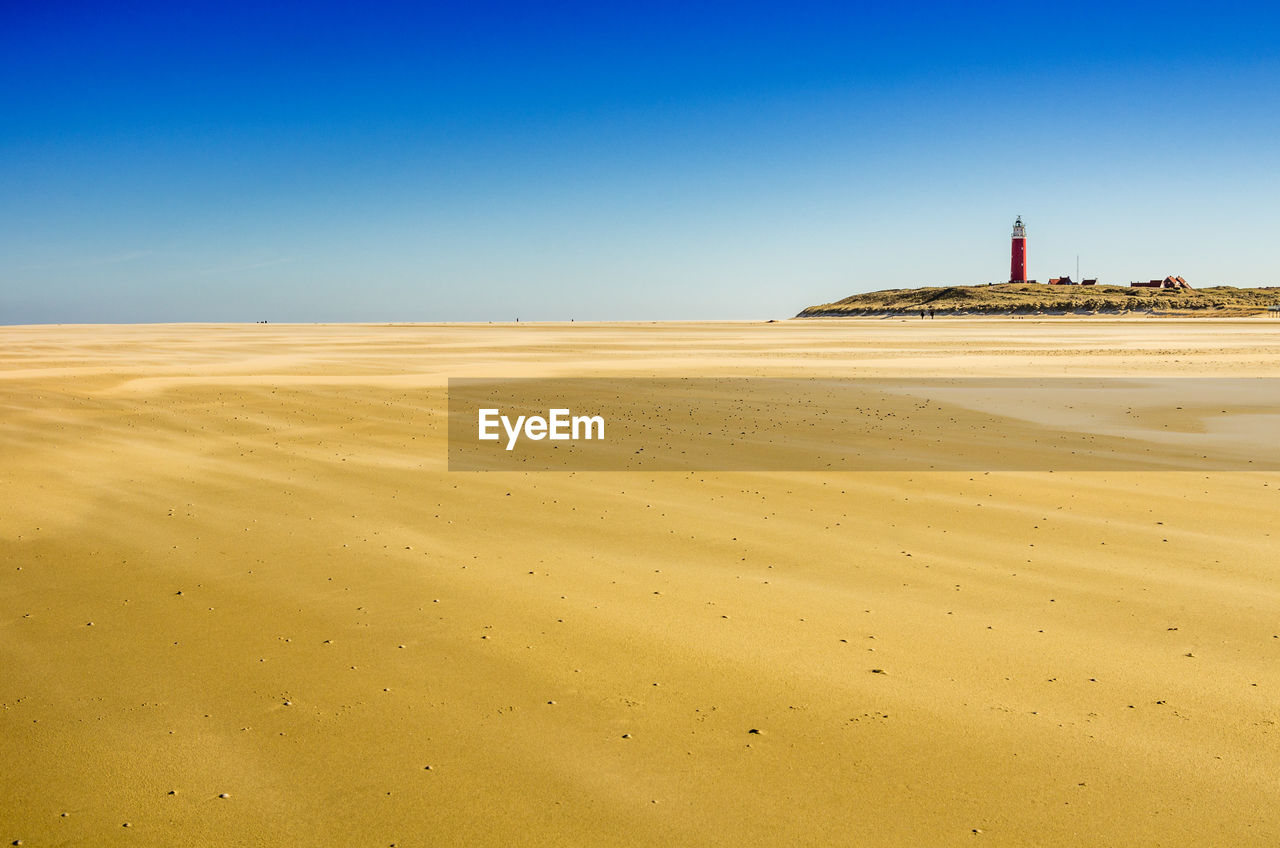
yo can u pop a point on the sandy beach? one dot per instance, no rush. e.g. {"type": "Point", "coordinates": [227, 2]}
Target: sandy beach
{"type": "Point", "coordinates": [244, 602]}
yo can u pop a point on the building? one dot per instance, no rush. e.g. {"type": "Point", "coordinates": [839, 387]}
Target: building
{"type": "Point", "coordinates": [1166, 283]}
{"type": "Point", "coordinates": [1018, 253]}
{"type": "Point", "coordinates": [1062, 281]}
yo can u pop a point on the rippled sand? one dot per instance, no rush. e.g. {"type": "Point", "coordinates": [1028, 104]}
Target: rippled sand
{"type": "Point", "coordinates": [232, 563]}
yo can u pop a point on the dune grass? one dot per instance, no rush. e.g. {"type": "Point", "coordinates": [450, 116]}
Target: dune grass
{"type": "Point", "coordinates": [1039, 298]}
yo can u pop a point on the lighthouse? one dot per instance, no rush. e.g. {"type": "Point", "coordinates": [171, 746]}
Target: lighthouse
{"type": "Point", "coordinates": [1018, 253]}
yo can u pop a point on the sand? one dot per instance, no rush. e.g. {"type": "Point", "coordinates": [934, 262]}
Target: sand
{"type": "Point", "coordinates": [243, 602]}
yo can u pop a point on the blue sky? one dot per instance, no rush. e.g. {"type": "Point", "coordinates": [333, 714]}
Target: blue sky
{"type": "Point", "coordinates": [485, 161]}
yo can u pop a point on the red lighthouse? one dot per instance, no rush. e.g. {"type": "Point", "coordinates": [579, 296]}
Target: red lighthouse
{"type": "Point", "coordinates": [1018, 260]}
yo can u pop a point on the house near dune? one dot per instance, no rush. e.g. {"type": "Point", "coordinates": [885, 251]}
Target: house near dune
{"type": "Point", "coordinates": [1167, 283]}
{"type": "Point", "coordinates": [1062, 281]}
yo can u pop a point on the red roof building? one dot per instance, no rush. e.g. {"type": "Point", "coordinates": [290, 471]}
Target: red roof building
{"type": "Point", "coordinates": [1167, 283]}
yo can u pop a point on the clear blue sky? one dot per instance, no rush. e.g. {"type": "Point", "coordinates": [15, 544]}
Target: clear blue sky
{"type": "Point", "coordinates": [332, 162]}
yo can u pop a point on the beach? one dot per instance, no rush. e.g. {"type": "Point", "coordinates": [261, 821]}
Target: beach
{"type": "Point", "coordinates": [243, 601]}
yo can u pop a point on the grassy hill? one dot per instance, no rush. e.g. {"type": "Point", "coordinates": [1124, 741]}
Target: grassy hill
{"type": "Point", "coordinates": [1042, 299]}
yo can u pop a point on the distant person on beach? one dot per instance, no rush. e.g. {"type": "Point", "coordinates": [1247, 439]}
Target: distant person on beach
{"type": "Point", "coordinates": [921, 314]}
{"type": "Point", "coordinates": [930, 314]}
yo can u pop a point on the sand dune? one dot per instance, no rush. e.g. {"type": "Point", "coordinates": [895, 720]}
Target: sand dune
{"type": "Point", "coordinates": [234, 563]}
